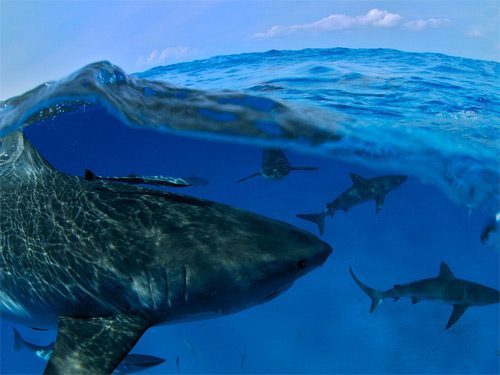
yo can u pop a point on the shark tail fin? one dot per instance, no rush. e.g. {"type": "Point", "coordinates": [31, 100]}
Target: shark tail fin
{"type": "Point", "coordinates": [376, 296]}
{"type": "Point", "coordinates": [18, 340]}
{"type": "Point", "coordinates": [318, 219]}
{"type": "Point", "coordinates": [89, 175]}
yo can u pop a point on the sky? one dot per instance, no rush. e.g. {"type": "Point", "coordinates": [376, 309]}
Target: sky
{"type": "Point", "coordinates": [46, 40]}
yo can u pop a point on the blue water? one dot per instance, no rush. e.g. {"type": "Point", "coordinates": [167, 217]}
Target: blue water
{"type": "Point", "coordinates": [432, 117]}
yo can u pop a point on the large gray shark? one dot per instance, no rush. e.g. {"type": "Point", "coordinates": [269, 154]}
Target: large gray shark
{"type": "Point", "coordinates": [105, 261]}
{"type": "Point", "coordinates": [362, 190]}
{"type": "Point", "coordinates": [130, 364]}
{"type": "Point", "coordinates": [275, 166]}
{"type": "Point", "coordinates": [444, 288]}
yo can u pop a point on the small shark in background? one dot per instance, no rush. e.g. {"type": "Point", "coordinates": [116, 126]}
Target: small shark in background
{"type": "Point", "coordinates": [275, 166]}
{"type": "Point", "coordinates": [136, 179]}
{"type": "Point", "coordinates": [490, 234]}
{"type": "Point", "coordinates": [130, 364]}
{"type": "Point", "coordinates": [362, 190]}
{"type": "Point", "coordinates": [443, 288]}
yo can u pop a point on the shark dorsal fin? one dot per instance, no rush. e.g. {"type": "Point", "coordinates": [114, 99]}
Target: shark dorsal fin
{"type": "Point", "coordinates": [445, 272]}
{"type": "Point", "coordinates": [357, 179]}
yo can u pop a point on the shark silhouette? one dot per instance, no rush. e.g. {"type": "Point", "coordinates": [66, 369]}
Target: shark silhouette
{"type": "Point", "coordinates": [444, 288]}
{"type": "Point", "coordinates": [104, 261]}
{"type": "Point", "coordinates": [362, 190]}
{"type": "Point", "coordinates": [275, 166]}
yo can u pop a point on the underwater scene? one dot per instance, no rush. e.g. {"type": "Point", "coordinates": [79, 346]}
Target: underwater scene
{"type": "Point", "coordinates": [306, 211]}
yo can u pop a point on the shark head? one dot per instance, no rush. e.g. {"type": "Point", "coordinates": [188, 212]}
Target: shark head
{"type": "Point", "coordinates": [396, 180]}
{"type": "Point", "coordinates": [262, 260]}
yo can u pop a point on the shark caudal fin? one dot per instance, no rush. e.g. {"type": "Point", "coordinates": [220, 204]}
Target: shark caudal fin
{"type": "Point", "coordinates": [318, 219]}
{"type": "Point", "coordinates": [18, 340]}
{"type": "Point", "coordinates": [376, 296]}
{"type": "Point", "coordinates": [89, 175]}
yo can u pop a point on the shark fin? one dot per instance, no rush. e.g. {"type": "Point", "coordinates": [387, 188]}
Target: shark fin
{"type": "Point", "coordinates": [89, 175]}
{"type": "Point", "coordinates": [415, 300]}
{"type": "Point", "coordinates": [379, 201]}
{"type": "Point", "coordinates": [249, 177]}
{"type": "Point", "coordinates": [445, 272]}
{"type": "Point", "coordinates": [376, 296]}
{"type": "Point", "coordinates": [95, 345]}
{"type": "Point", "coordinates": [304, 168]}
{"type": "Point", "coordinates": [18, 340]}
{"type": "Point", "coordinates": [318, 219]}
{"type": "Point", "coordinates": [458, 311]}
{"type": "Point", "coordinates": [357, 179]}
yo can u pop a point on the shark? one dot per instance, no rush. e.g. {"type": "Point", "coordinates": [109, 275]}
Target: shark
{"type": "Point", "coordinates": [445, 287]}
{"type": "Point", "coordinates": [362, 190]}
{"type": "Point", "coordinates": [138, 179]}
{"type": "Point", "coordinates": [275, 166]}
{"type": "Point", "coordinates": [130, 364]}
{"type": "Point", "coordinates": [102, 262]}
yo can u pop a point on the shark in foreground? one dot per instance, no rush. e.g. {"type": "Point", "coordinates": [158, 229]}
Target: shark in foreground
{"type": "Point", "coordinates": [362, 190]}
{"type": "Point", "coordinates": [130, 364]}
{"type": "Point", "coordinates": [444, 288]}
{"type": "Point", "coordinates": [104, 261]}
{"type": "Point", "coordinates": [275, 166]}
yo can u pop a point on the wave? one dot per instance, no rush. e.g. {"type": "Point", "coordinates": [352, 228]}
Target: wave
{"type": "Point", "coordinates": [429, 115]}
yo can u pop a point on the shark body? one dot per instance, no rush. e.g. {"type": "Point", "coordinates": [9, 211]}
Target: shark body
{"type": "Point", "coordinates": [362, 190]}
{"type": "Point", "coordinates": [104, 261]}
{"type": "Point", "coordinates": [445, 288]}
{"type": "Point", "coordinates": [275, 166]}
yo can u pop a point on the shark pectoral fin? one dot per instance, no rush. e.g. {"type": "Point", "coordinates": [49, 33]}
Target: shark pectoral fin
{"type": "Point", "coordinates": [415, 300]}
{"type": "Point", "coordinates": [304, 168]}
{"type": "Point", "coordinates": [379, 201]}
{"type": "Point", "coordinates": [248, 177]}
{"type": "Point", "coordinates": [95, 345]}
{"type": "Point", "coordinates": [458, 311]}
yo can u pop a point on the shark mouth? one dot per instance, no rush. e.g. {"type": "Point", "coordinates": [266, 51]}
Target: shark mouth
{"type": "Point", "coordinates": [277, 292]}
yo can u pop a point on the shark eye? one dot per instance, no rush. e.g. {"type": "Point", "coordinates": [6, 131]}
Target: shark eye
{"type": "Point", "coordinates": [301, 264]}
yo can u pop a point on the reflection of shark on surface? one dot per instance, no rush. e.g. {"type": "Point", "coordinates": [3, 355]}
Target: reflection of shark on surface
{"type": "Point", "coordinates": [137, 179]}
{"type": "Point", "coordinates": [362, 190]}
{"type": "Point", "coordinates": [106, 261]}
{"type": "Point", "coordinates": [275, 166]}
{"type": "Point", "coordinates": [130, 364]}
{"type": "Point", "coordinates": [443, 288]}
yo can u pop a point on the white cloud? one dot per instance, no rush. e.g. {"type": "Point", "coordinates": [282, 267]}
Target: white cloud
{"type": "Point", "coordinates": [419, 25]}
{"type": "Point", "coordinates": [475, 33]}
{"type": "Point", "coordinates": [374, 18]}
{"type": "Point", "coordinates": [157, 57]}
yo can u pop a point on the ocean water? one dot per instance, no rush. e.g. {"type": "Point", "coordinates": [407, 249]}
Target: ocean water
{"type": "Point", "coordinates": [372, 112]}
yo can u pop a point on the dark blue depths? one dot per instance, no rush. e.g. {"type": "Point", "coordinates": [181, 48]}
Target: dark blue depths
{"type": "Point", "coordinates": [322, 323]}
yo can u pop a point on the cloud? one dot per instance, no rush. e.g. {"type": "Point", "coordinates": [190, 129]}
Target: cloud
{"type": "Point", "coordinates": [157, 57]}
{"type": "Point", "coordinates": [374, 18]}
{"type": "Point", "coordinates": [474, 33]}
{"type": "Point", "coordinates": [419, 25]}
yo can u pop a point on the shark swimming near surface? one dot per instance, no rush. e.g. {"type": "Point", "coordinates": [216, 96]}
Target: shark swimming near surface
{"type": "Point", "coordinates": [130, 364]}
{"type": "Point", "coordinates": [362, 190]}
{"type": "Point", "coordinates": [104, 261]}
{"type": "Point", "coordinates": [137, 179]}
{"type": "Point", "coordinates": [445, 287]}
{"type": "Point", "coordinates": [275, 166]}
